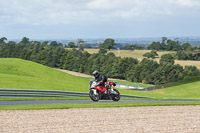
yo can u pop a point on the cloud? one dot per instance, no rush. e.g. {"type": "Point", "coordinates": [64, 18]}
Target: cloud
{"type": "Point", "coordinates": [51, 12]}
{"type": "Point", "coordinates": [186, 3]}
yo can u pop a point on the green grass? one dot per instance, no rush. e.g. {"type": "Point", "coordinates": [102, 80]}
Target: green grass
{"type": "Point", "coordinates": [93, 105]}
{"type": "Point", "coordinates": [21, 74]}
{"type": "Point", "coordinates": [187, 88]}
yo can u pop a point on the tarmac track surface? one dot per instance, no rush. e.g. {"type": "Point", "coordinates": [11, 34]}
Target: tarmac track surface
{"type": "Point", "coordinates": [77, 101]}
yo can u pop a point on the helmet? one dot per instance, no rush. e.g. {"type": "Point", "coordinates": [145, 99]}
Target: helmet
{"type": "Point", "coordinates": [95, 73]}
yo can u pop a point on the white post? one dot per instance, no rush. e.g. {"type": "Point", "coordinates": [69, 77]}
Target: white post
{"type": "Point", "coordinates": [118, 51]}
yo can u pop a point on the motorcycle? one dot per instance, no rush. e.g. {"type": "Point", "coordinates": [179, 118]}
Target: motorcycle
{"type": "Point", "coordinates": [98, 92]}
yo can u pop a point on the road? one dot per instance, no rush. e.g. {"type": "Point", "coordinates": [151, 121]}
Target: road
{"type": "Point", "coordinates": [76, 101]}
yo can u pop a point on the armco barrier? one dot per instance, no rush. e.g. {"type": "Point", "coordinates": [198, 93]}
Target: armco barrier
{"type": "Point", "coordinates": [49, 93]}
{"type": "Point", "coordinates": [39, 93]}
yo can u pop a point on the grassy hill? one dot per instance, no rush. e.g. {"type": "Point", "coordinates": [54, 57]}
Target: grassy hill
{"type": "Point", "coordinates": [22, 74]}
{"type": "Point", "coordinates": [187, 88]}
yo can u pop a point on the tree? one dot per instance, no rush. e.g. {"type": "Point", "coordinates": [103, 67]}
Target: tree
{"type": "Point", "coordinates": [80, 47]}
{"type": "Point", "coordinates": [148, 55]}
{"type": "Point", "coordinates": [148, 71]}
{"type": "Point", "coordinates": [71, 45]}
{"type": "Point", "coordinates": [2, 40]}
{"type": "Point", "coordinates": [191, 71]}
{"type": "Point", "coordinates": [186, 46]}
{"type": "Point", "coordinates": [166, 59]}
{"type": "Point", "coordinates": [25, 40]}
{"type": "Point", "coordinates": [102, 51]}
{"type": "Point", "coordinates": [155, 46]}
{"type": "Point", "coordinates": [80, 42]}
{"type": "Point", "coordinates": [154, 53]}
{"type": "Point", "coordinates": [45, 43]}
{"type": "Point", "coordinates": [60, 45]}
{"type": "Point", "coordinates": [173, 45]}
{"type": "Point", "coordinates": [163, 44]}
{"type": "Point", "coordinates": [53, 43]}
{"type": "Point", "coordinates": [164, 39]}
{"type": "Point", "coordinates": [107, 44]}
{"type": "Point", "coordinates": [151, 54]}
{"type": "Point", "coordinates": [181, 55]}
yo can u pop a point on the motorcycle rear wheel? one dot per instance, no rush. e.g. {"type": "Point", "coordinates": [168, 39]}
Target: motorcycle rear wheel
{"type": "Point", "coordinates": [115, 97]}
{"type": "Point", "coordinates": [94, 97]}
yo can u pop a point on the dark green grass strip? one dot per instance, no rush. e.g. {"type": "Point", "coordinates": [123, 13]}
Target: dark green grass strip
{"type": "Point", "coordinates": [93, 105]}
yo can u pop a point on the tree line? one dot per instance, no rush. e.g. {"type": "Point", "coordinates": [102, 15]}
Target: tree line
{"type": "Point", "coordinates": [183, 52]}
{"type": "Point", "coordinates": [55, 55]}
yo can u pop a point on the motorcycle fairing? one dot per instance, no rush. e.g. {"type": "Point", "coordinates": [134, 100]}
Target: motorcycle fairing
{"type": "Point", "coordinates": [112, 84]}
{"type": "Point", "coordinates": [100, 88]}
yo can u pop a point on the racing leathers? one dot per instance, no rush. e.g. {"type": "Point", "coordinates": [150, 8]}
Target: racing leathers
{"type": "Point", "coordinates": [101, 78]}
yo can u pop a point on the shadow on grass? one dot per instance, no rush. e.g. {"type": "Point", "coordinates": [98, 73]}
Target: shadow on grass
{"type": "Point", "coordinates": [187, 80]}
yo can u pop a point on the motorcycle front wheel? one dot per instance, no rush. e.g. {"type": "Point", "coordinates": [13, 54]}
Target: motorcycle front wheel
{"type": "Point", "coordinates": [94, 97]}
{"type": "Point", "coordinates": [116, 95]}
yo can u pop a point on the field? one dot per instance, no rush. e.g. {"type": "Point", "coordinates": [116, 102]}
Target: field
{"type": "Point", "coordinates": [139, 55]}
{"type": "Point", "coordinates": [192, 63]}
{"type": "Point", "coordinates": [187, 88]}
{"type": "Point", "coordinates": [88, 117]}
{"type": "Point", "coordinates": [21, 74]}
{"type": "Point", "coordinates": [180, 91]}
{"type": "Point", "coordinates": [128, 53]}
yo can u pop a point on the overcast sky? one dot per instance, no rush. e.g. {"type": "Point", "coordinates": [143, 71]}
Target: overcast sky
{"type": "Point", "coordinates": [63, 19]}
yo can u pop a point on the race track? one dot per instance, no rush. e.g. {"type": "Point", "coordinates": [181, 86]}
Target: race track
{"type": "Point", "coordinates": [77, 101]}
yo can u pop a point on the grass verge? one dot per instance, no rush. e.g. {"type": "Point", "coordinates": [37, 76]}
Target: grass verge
{"type": "Point", "coordinates": [93, 105]}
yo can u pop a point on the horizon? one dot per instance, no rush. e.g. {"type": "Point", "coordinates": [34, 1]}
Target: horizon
{"type": "Point", "coordinates": [103, 38]}
{"type": "Point", "coordinates": [144, 37]}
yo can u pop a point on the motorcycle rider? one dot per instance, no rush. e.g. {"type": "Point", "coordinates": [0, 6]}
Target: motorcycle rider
{"type": "Point", "coordinates": [100, 78]}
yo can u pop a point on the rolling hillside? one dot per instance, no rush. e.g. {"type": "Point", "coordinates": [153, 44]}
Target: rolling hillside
{"type": "Point", "coordinates": [22, 74]}
{"type": "Point", "coordinates": [187, 88]}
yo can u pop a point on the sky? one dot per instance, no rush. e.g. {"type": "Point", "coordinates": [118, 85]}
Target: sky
{"type": "Point", "coordinates": [67, 19]}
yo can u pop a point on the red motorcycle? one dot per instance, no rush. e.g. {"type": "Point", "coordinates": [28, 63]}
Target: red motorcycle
{"type": "Point", "coordinates": [98, 92]}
